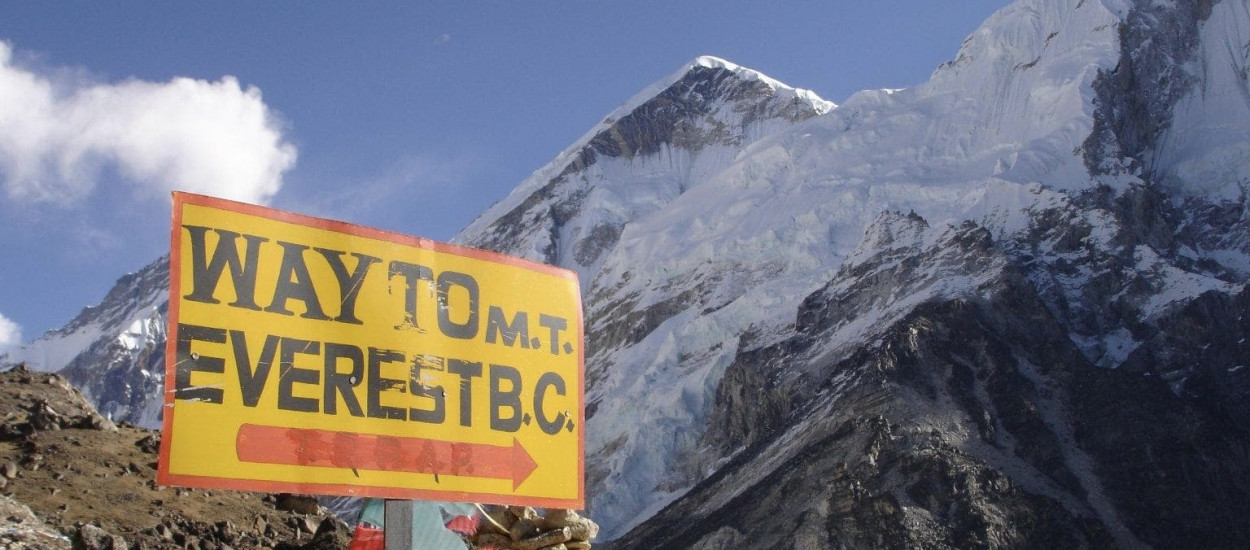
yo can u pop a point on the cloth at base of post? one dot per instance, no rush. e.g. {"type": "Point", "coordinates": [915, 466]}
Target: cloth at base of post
{"type": "Point", "coordinates": [429, 524]}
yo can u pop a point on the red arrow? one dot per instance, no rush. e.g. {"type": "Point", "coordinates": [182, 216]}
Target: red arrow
{"type": "Point", "coordinates": [308, 447]}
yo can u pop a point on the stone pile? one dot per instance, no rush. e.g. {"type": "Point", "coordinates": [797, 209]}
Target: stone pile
{"type": "Point", "coordinates": [523, 528]}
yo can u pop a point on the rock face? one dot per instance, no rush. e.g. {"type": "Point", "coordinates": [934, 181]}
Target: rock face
{"type": "Point", "coordinates": [1004, 308]}
{"type": "Point", "coordinates": [970, 422]}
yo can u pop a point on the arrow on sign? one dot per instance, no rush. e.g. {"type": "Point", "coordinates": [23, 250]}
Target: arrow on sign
{"type": "Point", "coordinates": [323, 448]}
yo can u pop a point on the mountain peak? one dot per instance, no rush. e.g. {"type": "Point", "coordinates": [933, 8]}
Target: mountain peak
{"type": "Point", "coordinates": [820, 105]}
{"type": "Point", "coordinates": [700, 68]}
{"type": "Point", "coordinates": [712, 61]}
{"type": "Point", "coordinates": [673, 134]}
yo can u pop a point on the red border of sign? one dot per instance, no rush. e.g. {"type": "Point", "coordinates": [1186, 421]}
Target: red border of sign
{"type": "Point", "coordinates": [163, 475]}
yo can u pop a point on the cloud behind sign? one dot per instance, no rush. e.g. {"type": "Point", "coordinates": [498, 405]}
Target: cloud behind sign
{"type": "Point", "coordinates": [57, 137]}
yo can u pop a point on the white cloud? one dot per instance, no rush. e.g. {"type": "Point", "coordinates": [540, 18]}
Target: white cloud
{"type": "Point", "coordinates": [10, 334]}
{"type": "Point", "coordinates": [215, 138]}
{"type": "Point", "coordinates": [442, 39]}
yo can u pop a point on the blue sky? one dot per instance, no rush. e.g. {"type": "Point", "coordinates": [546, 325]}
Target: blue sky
{"type": "Point", "coordinates": [411, 117]}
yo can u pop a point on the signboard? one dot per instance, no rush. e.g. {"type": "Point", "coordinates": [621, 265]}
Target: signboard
{"type": "Point", "coordinates": [313, 356]}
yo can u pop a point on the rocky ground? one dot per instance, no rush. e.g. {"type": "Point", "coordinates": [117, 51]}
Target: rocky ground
{"type": "Point", "coordinates": [70, 478]}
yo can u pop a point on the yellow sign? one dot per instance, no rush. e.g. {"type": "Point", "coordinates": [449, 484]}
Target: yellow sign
{"type": "Point", "coordinates": [313, 356]}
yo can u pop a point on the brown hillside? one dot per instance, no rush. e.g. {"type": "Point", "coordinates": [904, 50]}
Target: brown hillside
{"type": "Point", "coordinates": [71, 477]}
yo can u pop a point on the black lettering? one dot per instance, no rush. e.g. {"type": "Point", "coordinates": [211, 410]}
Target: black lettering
{"type": "Point", "coordinates": [349, 284]}
{"type": "Point", "coordinates": [468, 329]}
{"type": "Point", "coordinates": [411, 274]}
{"type": "Point", "coordinates": [556, 324]}
{"type": "Point", "coordinates": [418, 388]}
{"type": "Point", "coordinates": [467, 372]}
{"type": "Point", "coordinates": [252, 380]}
{"type": "Point", "coordinates": [497, 326]}
{"type": "Point", "coordinates": [289, 375]}
{"type": "Point", "coordinates": [342, 383]}
{"type": "Point", "coordinates": [294, 282]}
{"type": "Point", "coordinates": [378, 384]}
{"type": "Point", "coordinates": [206, 274]}
{"type": "Point", "coordinates": [548, 380]}
{"type": "Point", "coordinates": [500, 399]}
{"type": "Point", "coordinates": [189, 362]}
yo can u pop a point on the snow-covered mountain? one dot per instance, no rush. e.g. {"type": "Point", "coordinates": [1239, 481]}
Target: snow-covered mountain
{"type": "Point", "coordinates": [1005, 307]}
{"type": "Point", "coordinates": [1051, 134]}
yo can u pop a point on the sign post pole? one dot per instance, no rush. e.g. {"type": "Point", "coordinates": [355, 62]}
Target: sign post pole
{"type": "Point", "coordinates": [398, 524]}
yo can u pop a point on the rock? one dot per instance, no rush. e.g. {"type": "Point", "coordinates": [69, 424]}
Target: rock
{"type": "Point", "coordinates": [523, 512]}
{"type": "Point", "coordinates": [544, 540]}
{"type": "Point", "coordinates": [326, 537]}
{"type": "Point", "coordinates": [225, 531]}
{"type": "Point", "coordinates": [44, 417]}
{"type": "Point", "coordinates": [150, 444]}
{"type": "Point", "coordinates": [583, 529]}
{"type": "Point", "coordinates": [327, 534]}
{"type": "Point", "coordinates": [300, 504]}
{"type": "Point", "coordinates": [522, 528]}
{"type": "Point", "coordinates": [164, 532]}
{"type": "Point", "coordinates": [97, 422]}
{"type": "Point", "coordinates": [580, 528]}
{"type": "Point", "coordinates": [91, 537]}
{"type": "Point", "coordinates": [557, 517]}
{"type": "Point", "coordinates": [10, 431]}
{"type": "Point", "coordinates": [9, 470]}
{"type": "Point", "coordinates": [308, 525]}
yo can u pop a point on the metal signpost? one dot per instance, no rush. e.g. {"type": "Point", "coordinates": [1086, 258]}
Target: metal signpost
{"type": "Point", "coordinates": [313, 356]}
